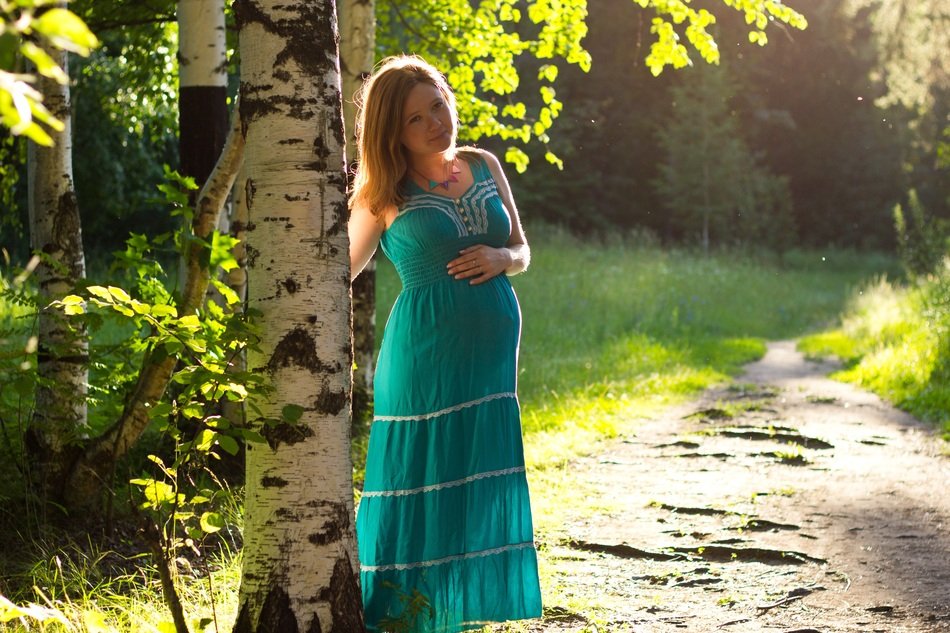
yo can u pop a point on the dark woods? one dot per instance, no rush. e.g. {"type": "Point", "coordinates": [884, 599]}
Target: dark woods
{"type": "Point", "coordinates": [828, 163]}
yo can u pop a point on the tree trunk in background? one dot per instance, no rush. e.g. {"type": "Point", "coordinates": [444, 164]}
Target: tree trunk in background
{"type": "Point", "coordinates": [202, 90]}
{"type": "Point", "coordinates": [300, 563]}
{"type": "Point", "coordinates": [59, 420]}
{"type": "Point", "coordinates": [203, 81]}
{"type": "Point", "coordinates": [357, 56]}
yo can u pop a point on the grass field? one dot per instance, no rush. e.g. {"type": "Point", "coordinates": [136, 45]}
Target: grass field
{"type": "Point", "coordinates": [613, 330]}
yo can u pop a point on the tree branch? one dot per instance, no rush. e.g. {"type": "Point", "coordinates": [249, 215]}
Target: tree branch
{"type": "Point", "coordinates": [94, 464]}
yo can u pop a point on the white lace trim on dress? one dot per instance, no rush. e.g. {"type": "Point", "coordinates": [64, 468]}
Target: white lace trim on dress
{"type": "Point", "coordinates": [447, 484]}
{"type": "Point", "coordinates": [447, 559]}
{"type": "Point", "coordinates": [452, 409]}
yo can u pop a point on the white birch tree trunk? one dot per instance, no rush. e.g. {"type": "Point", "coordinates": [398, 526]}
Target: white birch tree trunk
{"type": "Point", "coordinates": [357, 57]}
{"type": "Point", "coordinates": [59, 420]}
{"type": "Point", "coordinates": [300, 563]}
{"type": "Point", "coordinates": [203, 81]}
{"type": "Point", "coordinates": [202, 89]}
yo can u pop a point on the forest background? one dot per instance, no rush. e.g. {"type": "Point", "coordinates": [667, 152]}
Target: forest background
{"type": "Point", "coordinates": [832, 138]}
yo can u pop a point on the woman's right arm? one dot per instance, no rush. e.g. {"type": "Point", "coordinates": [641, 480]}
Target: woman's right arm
{"type": "Point", "coordinates": [364, 230]}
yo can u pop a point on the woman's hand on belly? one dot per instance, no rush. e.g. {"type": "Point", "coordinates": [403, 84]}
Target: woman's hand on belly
{"type": "Point", "coordinates": [480, 263]}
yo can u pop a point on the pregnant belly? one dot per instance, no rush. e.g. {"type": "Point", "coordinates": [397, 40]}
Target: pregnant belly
{"type": "Point", "coordinates": [449, 342]}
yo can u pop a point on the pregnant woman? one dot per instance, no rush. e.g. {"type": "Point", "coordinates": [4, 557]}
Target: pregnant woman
{"type": "Point", "coordinates": [444, 522]}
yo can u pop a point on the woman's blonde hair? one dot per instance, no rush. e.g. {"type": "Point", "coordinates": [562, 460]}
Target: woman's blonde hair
{"type": "Point", "coordinates": [382, 162]}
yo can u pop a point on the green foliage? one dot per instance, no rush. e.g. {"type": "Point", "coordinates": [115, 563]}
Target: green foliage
{"type": "Point", "coordinates": [895, 341]}
{"type": "Point", "coordinates": [668, 50]}
{"type": "Point", "coordinates": [178, 495]}
{"type": "Point", "coordinates": [23, 23]}
{"type": "Point", "coordinates": [922, 242]}
{"type": "Point", "coordinates": [486, 48]}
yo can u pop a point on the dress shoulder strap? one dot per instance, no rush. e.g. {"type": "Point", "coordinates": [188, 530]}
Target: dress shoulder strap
{"type": "Point", "coordinates": [477, 163]}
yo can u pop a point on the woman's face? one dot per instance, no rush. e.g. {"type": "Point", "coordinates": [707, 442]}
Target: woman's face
{"type": "Point", "coordinates": [427, 125]}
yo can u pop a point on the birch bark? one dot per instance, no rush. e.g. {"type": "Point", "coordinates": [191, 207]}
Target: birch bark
{"type": "Point", "coordinates": [59, 420]}
{"type": "Point", "coordinates": [203, 81]}
{"type": "Point", "coordinates": [300, 559]}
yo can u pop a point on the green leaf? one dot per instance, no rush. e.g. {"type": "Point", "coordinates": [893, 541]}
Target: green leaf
{"type": "Point", "coordinates": [548, 72]}
{"type": "Point", "coordinates": [157, 493]}
{"type": "Point", "coordinates": [162, 310]}
{"type": "Point", "coordinates": [205, 440]}
{"type": "Point", "coordinates": [140, 308]}
{"type": "Point", "coordinates": [66, 31]}
{"type": "Point", "coordinates": [160, 410]}
{"type": "Point", "coordinates": [292, 413]}
{"type": "Point", "coordinates": [211, 522]}
{"type": "Point", "coordinates": [228, 444]}
{"type": "Point", "coordinates": [44, 63]}
{"type": "Point", "coordinates": [192, 410]}
{"type": "Point", "coordinates": [119, 294]}
{"type": "Point", "coordinates": [518, 158]}
{"type": "Point", "coordinates": [252, 436]}
{"type": "Point", "coordinates": [123, 310]}
{"type": "Point", "coordinates": [101, 292]}
{"type": "Point", "coordinates": [189, 322]}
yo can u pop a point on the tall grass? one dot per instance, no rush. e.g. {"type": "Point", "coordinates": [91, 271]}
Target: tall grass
{"type": "Point", "coordinates": [895, 340]}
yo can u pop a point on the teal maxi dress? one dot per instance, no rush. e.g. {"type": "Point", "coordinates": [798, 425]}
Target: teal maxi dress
{"type": "Point", "coordinates": [445, 515]}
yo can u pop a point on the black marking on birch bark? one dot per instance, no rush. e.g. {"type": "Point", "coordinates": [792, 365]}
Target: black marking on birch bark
{"type": "Point", "coordinates": [286, 514]}
{"type": "Point", "coordinates": [285, 433]}
{"type": "Point", "coordinates": [312, 41]}
{"type": "Point", "coordinates": [299, 349]}
{"type": "Point", "coordinates": [321, 152]}
{"type": "Point", "coordinates": [252, 255]}
{"type": "Point", "coordinates": [67, 232]}
{"type": "Point", "coordinates": [273, 482]}
{"type": "Point", "coordinates": [249, 190]}
{"type": "Point", "coordinates": [290, 285]}
{"type": "Point", "coordinates": [339, 219]}
{"type": "Point", "coordinates": [331, 402]}
{"type": "Point", "coordinates": [290, 141]}
{"type": "Point", "coordinates": [277, 614]}
{"type": "Point", "coordinates": [335, 527]}
{"type": "Point", "coordinates": [346, 603]}
{"type": "Point", "coordinates": [314, 626]}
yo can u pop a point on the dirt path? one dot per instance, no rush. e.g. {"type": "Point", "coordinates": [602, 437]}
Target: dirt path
{"type": "Point", "coordinates": [788, 502]}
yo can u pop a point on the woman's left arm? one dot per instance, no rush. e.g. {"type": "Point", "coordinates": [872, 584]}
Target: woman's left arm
{"type": "Point", "coordinates": [482, 262]}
